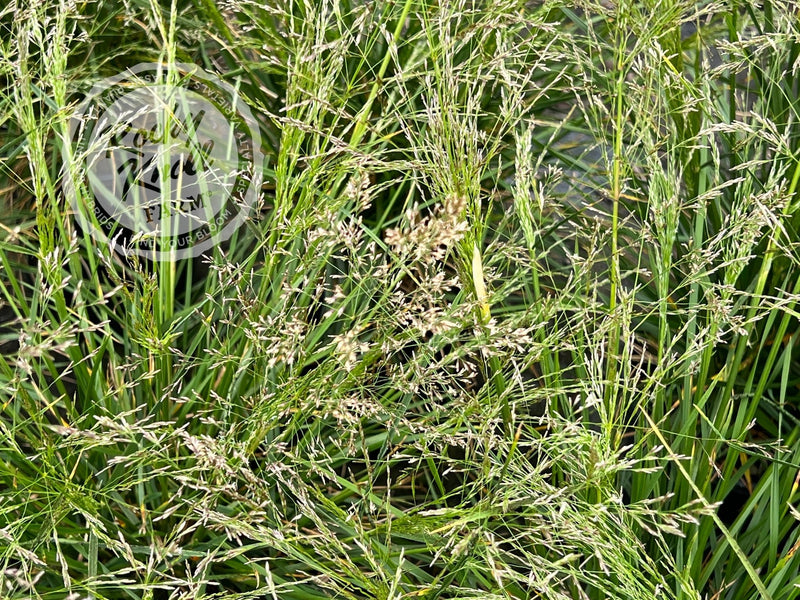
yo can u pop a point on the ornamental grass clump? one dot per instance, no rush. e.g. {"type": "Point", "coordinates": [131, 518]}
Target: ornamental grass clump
{"type": "Point", "coordinates": [513, 313]}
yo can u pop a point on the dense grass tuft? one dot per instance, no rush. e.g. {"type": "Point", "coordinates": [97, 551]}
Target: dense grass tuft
{"type": "Point", "coordinates": [515, 316]}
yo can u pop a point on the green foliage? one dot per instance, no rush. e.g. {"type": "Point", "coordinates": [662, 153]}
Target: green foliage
{"type": "Point", "coordinates": [516, 316]}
